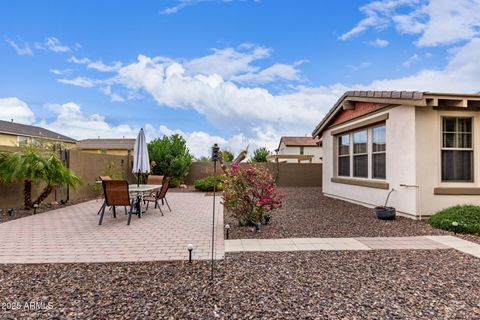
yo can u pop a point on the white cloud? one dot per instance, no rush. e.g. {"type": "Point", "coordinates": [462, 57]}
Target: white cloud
{"type": "Point", "coordinates": [461, 74]}
{"type": "Point", "coordinates": [59, 72]}
{"type": "Point", "coordinates": [22, 49]}
{"type": "Point", "coordinates": [380, 43]}
{"type": "Point", "coordinates": [84, 82]}
{"type": "Point", "coordinates": [52, 44]}
{"type": "Point", "coordinates": [227, 62]}
{"type": "Point", "coordinates": [72, 122]}
{"type": "Point", "coordinates": [438, 22]}
{"type": "Point", "coordinates": [96, 65]}
{"type": "Point", "coordinates": [16, 109]}
{"type": "Point", "coordinates": [411, 60]}
{"type": "Point", "coordinates": [278, 71]}
{"type": "Point", "coordinates": [359, 67]}
{"type": "Point", "coordinates": [182, 4]}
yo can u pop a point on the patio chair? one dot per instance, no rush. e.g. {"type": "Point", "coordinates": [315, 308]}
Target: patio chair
{"type": "Point", "coordinates": [103, 178]}
{"type": "Point", "coordinates": [160, 195]}
{"type": "Point", "coordinates": [154, 179]}
{"type": "Point", "coordinates": [116, 194]}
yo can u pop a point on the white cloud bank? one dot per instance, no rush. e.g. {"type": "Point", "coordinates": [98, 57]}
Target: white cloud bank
{"type": "Point", "coordinates": [437, 22]}
{"type": "Point", "coordinates": [16, 109]}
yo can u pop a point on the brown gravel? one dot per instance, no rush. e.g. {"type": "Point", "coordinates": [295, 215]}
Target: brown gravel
{"type": "Point", "coordinates": [20, 212]}
{"type": "Point", "coordinates": [307, 213]}
{"type": "Point", "coordinates": [396, 284]}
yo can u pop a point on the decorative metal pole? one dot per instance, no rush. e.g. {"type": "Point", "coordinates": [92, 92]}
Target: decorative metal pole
{"type": "Point", "coordinates": [215, 158]}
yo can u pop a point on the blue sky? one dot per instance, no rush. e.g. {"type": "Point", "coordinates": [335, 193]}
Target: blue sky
{"type": "Point", "coordinates": [233, 72]}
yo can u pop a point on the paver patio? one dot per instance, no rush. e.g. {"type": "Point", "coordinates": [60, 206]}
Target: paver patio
{"type": "Point", "coordinates": [72, 234]}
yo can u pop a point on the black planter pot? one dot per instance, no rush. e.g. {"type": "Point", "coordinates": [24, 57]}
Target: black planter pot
{"type": "Point", "coordinates": [385, 213]}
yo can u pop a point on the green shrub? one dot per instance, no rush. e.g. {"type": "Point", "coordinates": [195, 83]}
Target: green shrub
{"type": "Point", "coordinates": [206, 184]}
{"type": "Point", "coordinates": [170, 157]}
{"type": "Point", "coordinates": [467, 216]}
{"type": "Point", "coordinates": [260, 155]}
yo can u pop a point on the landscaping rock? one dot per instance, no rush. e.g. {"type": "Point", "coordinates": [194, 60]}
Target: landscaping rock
{"type": "Point", "coordinates": [397, 284]}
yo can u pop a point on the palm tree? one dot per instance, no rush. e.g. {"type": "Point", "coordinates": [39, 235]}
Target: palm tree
{"type": "Point", "coordinates": [31, 166]}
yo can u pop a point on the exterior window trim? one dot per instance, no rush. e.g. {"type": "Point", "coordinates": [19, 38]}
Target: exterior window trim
{"type": "Point", "coordinates": [471, 149]}
{"type": "Point", "coordinates": [337, 178]}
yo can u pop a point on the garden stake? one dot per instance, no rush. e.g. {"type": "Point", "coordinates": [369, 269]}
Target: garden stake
{"type": "Point", "coordinates": [215, 157]}
{"type": "Point", "coordinates": [455, 226]}
{"type": "Point", "coordinates": [190, 249]}
{"type": "Point", "coordinates": [227, 228]}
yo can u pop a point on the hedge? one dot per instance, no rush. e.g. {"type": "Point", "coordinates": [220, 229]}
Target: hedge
{"type": "Point", "coordinates": [467, 216]}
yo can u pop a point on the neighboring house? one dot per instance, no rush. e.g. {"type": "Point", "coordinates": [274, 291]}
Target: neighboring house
{"type": "Point", "coordinates": [421, 144]}
{"type": "Point", "coordinates": [14, 134]}
{"type": "Point", "coordinates": [120, 147]}
{"type": "Point", "coordinates": [298, 149]}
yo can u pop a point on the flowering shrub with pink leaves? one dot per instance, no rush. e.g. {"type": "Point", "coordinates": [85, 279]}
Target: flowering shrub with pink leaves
{"type": "Point", "coordinates": [249, 193]}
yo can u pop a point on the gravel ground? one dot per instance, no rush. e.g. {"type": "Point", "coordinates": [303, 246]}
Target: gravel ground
{"type": "Point", "coordinates": [396, 284]}
{"type": "Point", "coordinates": [307, 213]}
{"type": "Point", "coordinates": [20, 212]}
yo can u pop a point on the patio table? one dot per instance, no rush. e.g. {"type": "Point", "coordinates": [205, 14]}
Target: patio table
{"type": "Point", "coordinates": [139, 191]}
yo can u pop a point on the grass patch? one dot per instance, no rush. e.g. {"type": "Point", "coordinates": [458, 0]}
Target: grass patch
{"type": "Point", "coordinates": [467, 216]}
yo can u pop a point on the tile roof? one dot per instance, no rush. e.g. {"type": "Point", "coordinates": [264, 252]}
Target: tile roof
{"type": "Point", "coordinates": [31, 131]}
{"type": "Point", "coordinates": [299, 141]}
{"type": "Point", "coordinates": [111, 144]}
{"type": "Point", "coordinates": [390, 96]}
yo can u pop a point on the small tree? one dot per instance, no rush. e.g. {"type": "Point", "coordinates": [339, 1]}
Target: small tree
{"type": "Point", "coordinates": [260, 155]}
{"type": "Point", "coordinates": [227, 156]}
{"type": "Point", "coordinates": [249, 193]}
{"type": "Point", "coordinates": [32, 166]}
{"type": "Point", "coordinates": [170, 157]}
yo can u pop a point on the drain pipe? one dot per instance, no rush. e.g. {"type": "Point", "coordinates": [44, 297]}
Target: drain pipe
{"type": "Point", "coordinates": [418, 194]}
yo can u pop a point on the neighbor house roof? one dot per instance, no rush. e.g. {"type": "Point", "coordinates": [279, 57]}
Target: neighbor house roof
{"type": "Point", "coordinates": [412, 98]}
{"type": "Point", "coordinates": [19, 129]}
{"type": "Point", "coordinates": [298, 142]}
{"type": "Point", "coordinates": [110, 144]}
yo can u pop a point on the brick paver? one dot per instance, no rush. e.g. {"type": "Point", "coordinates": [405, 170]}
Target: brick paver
{"type": "Point", "coordinates": [72, 234]}
{"type": "Point", "coordinates": [376, 243]}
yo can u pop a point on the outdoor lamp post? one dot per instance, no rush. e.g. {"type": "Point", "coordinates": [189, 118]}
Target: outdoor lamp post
{"type": "Point", "coordinates": [35, 206]}
{"type": "Point", "coordinates": [455, 227]}
{"type": "Point", "coordinates": [10, 211]}
{"type": "Point", "coordinates": [190, 249]}
{"type": "Point", "coordinates": [215, 158]}
{"type": "Point", "coordinates": [227, 228]}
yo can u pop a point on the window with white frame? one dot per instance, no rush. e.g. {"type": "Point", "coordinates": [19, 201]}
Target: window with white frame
{"type": "Point", "coordinates": [360, 154]}
{"type": "Point", "coordinates": [302, 150]}
{"type": "Point", "coordinates": [344, 155]}
{"type": "Point", "coordinates": [457, 149]}
{"type": "Point", "coordinates": [22, 141]}
{"type": "Point", "coordinates": [379, 152]}
{"type": "Point", "coordinates": [354, 162]}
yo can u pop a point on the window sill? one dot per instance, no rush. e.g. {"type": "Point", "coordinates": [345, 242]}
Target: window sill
{"type": "Point", "coordinates": [362, 183]}
{"type": "Point", "coordinates": [467, 191]}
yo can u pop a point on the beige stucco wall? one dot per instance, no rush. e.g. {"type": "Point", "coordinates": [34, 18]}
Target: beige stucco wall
{"type": "Point", "coordinates": [8, 140]}
{"type": "Point", "coordinates": [316, 152]}
{"type": "Point", "coordinates": [108, 151]}
{"type": "Point", "coordinates": [400, 164]}
{"type": "Point", "coordinates": [428, 137]}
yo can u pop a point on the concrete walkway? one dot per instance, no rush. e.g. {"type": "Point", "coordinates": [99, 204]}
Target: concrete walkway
{"type": "Point", "coordinates": [72, 234]}
{"type": "Point", "coordinates": [377, 243]}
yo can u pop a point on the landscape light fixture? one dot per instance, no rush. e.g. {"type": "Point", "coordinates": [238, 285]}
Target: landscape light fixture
{"type": "Point", "coordinates": [35, 206]}
{"type": "Point", "coordinates": [10, 211]}
{"type": "Point", "coordinates": [455, 227]}
{"type": "Point", "coordinates": [215, 158]}
{"type": "Point", "coordinates": [227, 228]}
{"type": "Point", "coordinates": [190, 249]}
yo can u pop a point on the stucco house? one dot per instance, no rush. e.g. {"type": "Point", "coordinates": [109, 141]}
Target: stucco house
{"type": "Point", "coordinates": [119, 147]}
{"type": "Point", "coordinates": [13, 134]}
{"type": "Point", "coordinates": [298, 149]}
{"type": "Point", "coordinates": [422, 144]}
